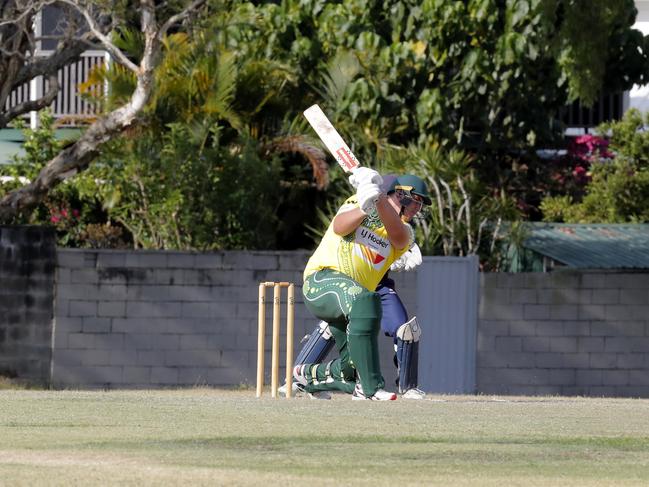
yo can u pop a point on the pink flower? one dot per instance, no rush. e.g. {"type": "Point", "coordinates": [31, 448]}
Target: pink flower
{"type": "Point", "coordinates": [587, 147]}
{"type": "Point", "coordinates": [75, 213]}
{"type": "Point", "coordinates": [54, 219]}
{"type": "Point", "coordinates": [64, 213]}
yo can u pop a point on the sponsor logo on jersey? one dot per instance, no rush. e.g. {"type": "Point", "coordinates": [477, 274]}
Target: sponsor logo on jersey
{"type": "Point", "coordinates": [371, 247]}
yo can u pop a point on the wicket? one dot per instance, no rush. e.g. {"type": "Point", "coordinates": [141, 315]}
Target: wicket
{"type": "Point", "coordinates": [290, 318]}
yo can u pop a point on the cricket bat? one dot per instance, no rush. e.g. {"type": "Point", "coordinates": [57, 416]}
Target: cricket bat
{"type": "Point", "coordinates": [331, 138]}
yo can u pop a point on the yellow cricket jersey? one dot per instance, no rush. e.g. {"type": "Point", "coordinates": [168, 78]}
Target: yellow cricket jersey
{"type": "Point", "coordinates": [365, 255]}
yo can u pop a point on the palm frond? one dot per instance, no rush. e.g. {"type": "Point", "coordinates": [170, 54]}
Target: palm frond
{"type": "Point", "coordinates": [297, 144]}
{"type": "Point", "coordinates": [337, 77]}
{"type": "Point", "coordinates": [129, 40]}
{"type": "Point", "coordinates": [220, 97]}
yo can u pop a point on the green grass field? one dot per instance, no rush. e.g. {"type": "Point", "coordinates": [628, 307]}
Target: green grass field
{"type": "Point", "coordinates": [217, 437]}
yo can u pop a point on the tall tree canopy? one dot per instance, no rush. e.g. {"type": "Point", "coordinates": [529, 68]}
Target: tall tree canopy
{"type": "Point", "coordinates": [479, 73]}
{"type": "Point", "coordinates": [404, 79]}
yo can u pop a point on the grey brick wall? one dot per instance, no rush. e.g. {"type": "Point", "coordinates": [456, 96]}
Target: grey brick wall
{"type": "Point", "coordinates": [27, 264]}
{"type": "Point", "coordinates": [567, 333]}
{"type": "Point", "coordinates": [155, 319]}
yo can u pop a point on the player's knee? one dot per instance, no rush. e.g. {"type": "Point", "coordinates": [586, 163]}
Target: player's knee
{"type": "Point", "coordinates": [366, 305]}
{"type": "Point", "coordinates": [366, 313]}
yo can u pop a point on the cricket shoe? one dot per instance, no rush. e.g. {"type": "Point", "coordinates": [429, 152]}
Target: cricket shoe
{"type": "Point", "coordinates": [379, 395]}
{"type": "Point", "coordinates": [299, 390]}
{"type": "Point", "coordinates": [414, 393]}
{"type": "Point", "coordinates": [294, 389]}
{"type": "Point", "coordinates": [299, 374]}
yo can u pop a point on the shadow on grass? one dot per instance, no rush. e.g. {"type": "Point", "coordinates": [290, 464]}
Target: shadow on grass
{"type": "Point", "coordinates": [269, 442]}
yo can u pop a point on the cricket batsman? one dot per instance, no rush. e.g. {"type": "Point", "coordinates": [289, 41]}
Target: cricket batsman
{"type": "Point", "coordinates": [405, 334]}
{"type": "Point", "coordinates": [368, 234]}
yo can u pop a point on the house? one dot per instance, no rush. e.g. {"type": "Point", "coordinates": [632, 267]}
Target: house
{"type": "Point", "coordinates": [69, 108]}
{"type": "Point", "coordinates": [551, 246]}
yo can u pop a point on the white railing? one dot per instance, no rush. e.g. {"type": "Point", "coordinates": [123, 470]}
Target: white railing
{"type": "Point", "coordinates": [69, 107]}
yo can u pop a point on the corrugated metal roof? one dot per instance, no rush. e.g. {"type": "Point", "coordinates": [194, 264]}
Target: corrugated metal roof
{"type": "Point", "coordinates": [592, 246]}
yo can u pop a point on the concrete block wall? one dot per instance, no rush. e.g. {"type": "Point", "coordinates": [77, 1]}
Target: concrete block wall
{"type": "Point", "coordinates": [157, 319]}
{"type": "Point", "coordinates": [565, 333]}
{"type": "Point", "coordinates": [27, 265]}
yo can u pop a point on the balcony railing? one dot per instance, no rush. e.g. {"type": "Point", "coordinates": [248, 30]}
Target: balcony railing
{"type": "Point", "coordinates": [608, 107]}
{"type": "Point", "coordinates": [69, 107]}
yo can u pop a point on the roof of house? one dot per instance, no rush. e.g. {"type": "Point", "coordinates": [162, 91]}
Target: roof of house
{"type": "Point", "coordinates": [592, 246]}
{"type": "Point", "coordinates": [11, 141]}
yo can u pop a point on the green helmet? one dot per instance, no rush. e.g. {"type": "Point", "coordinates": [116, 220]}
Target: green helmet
{"type": "Point", "coordinates": [412, 184]}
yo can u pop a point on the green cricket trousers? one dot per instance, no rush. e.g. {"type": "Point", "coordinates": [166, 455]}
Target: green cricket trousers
{"type": "Point", "coordinates": [354, 317]}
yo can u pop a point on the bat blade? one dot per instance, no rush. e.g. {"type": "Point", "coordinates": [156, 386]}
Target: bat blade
{"type": "Point", "coordinates": [331, 138]}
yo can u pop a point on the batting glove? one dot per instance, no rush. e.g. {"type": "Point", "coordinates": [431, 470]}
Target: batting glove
{"type": "Point", "coordinates": [363, 175]}
{"type": "Point", "coordinates": [367, 195]}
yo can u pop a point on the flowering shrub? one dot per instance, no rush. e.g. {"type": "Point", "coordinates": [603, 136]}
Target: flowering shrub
{"type": "Point", "coordinates": [614, 185]}
{"type": "Point", "coordinates": [71, 208]}
{"type": "Point", "coordinates": [65, 220]}
{"type": "Point", "coordinates": [584, 151]}
{"type": "Point", "coordinates": [589, 148]}
{"type": "Point", "coordinates": [573, 171]}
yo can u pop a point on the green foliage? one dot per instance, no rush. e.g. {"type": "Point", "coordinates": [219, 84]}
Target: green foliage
{"type": "Point", "coordinates": [464, 217]}
{"type": "Point", "coordinates": [555, 208]}
{"type": "Point", "coordinates": [619, 189]}
{"type": "Point", "coordinates": [177, 192]}
{"type": "Point", "coordinates": [483, 74]}
{"type": "Point", "coordinates": [629, 137]}
{"type": "Point", "coordinates": [590, 35]}
{"type": "Point", "coordinates": [40, 146]}
{"type": "Point", "coordinates": [203, 171]}
{"type": "Point", "coordinates": [511, 254]}
{"type": "Point", "coordinates": [618, 193]}
{"type": "Point", "coordinates": [628, 50]}
{"type": "Point", "coordinates": [68, 208]}
{"type": "Point", "coordinates": [458, 92]}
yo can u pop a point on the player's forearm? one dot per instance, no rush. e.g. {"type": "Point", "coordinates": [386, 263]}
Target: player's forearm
{"type": "Point", "coordinates": [348, 221]}
{"type": "Point", "coordinates": [397, 231]}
